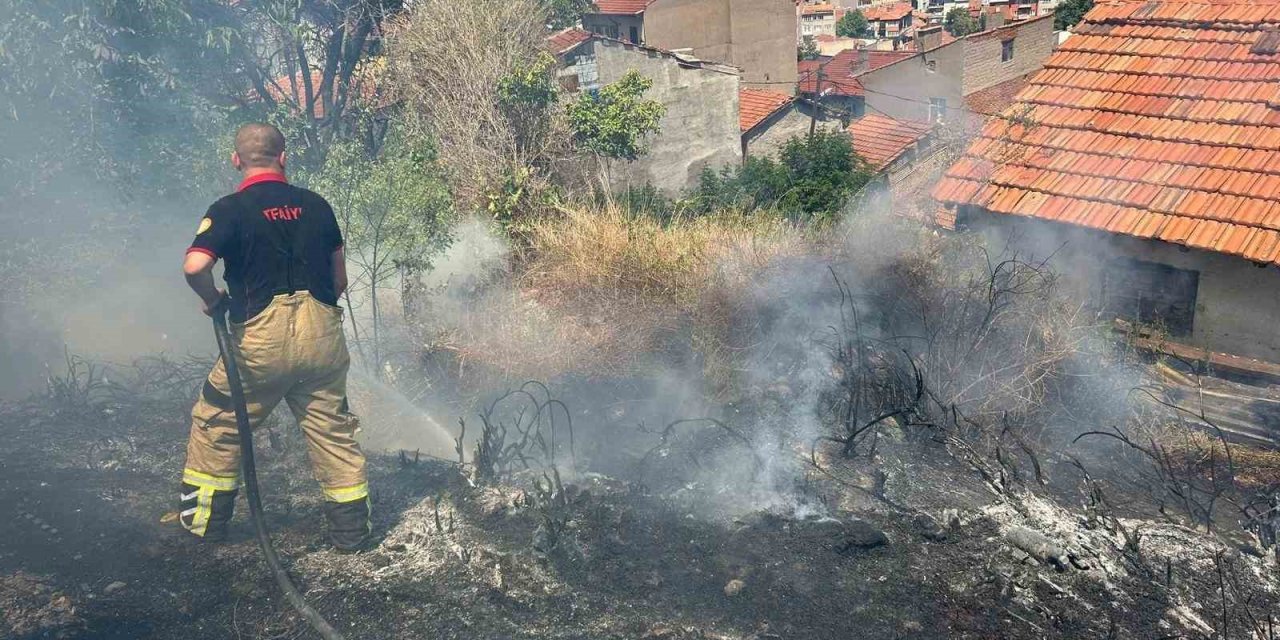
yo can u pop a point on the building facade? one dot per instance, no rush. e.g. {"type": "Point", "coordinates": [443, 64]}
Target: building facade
{"type": "Point", "coordinates": [1161, 204]}
{"type": "Point", "coordinates": [700, 128]}
{"type": "Point", "coordinates": [757, 36]}
{"type": "Point", "coordinates": [932, 85]}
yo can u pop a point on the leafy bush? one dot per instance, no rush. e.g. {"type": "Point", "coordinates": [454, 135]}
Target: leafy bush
{"type": "Point", "coordinates": [1069, 13]}
{"type": "Point", "coordinates": [613, 121]}
{"type": "Point", "coordinates": [812, 176]}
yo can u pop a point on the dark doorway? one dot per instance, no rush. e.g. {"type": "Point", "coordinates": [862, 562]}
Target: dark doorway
{"type": "Point", "coordinates": [1151, 293]}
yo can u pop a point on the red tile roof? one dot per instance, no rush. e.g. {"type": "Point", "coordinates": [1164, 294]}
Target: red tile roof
{"type": "Point", "coordinates": [561, 42]}
{"type": "Point", "coordinates": [880, 139]}
{"type": "Point", "coordinates": [621, 7]}
{"type": "Point", "coordinates": [814, 9]}
{"type": "Point", "coordinates": [755, 105]}
{"type": "Point", "coordinates": [882, 12]}
{"type": "Point", "coordinates": [1157, 120]}
{"type": "Point", "coordinates": [996, 98]}
{"type": "Point", "coordinates": [839, 75]}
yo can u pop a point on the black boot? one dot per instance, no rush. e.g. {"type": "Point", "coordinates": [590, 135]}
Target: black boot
{"type": "Point", "coordinates": [206, 512]}
{"type": "Point", "coordinates": [349, 526]}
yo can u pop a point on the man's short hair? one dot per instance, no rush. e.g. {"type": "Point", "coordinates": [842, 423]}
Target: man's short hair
{"type": "Point", "coordinates": [259, 145]}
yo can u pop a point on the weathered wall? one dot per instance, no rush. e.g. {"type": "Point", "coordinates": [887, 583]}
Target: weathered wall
{"type": "Point", "coordinates": [1237, 303]}
{"type": "Point", "coordinates": [764, 42]}
{"type": "Point", "coordinates": [758, 36]}
{"type": "Point", "coordinates": [701, 25]}
{"type": "Point", "coordinates": [700, 128]}
{"type": "Point", "coordinates": [769, 136]}
{"type": "Point", "coordinates": [903, 89]}
{"type": "Point", "coordinates": [1033, 43]}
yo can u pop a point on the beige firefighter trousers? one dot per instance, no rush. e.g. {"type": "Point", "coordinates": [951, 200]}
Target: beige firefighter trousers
{"type": "Point", "coordinates": [294, 350]}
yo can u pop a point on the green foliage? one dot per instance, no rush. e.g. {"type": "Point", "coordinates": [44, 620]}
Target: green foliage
{"type": "Point", "coordinates": [808, 49]}
{"type": "Point", "coordinates": [565, 13]}
{"type": "Point", "coordinates": [647, 201]}
{"type": "Point", "coordinates": [530, 86]}
{"type": "Point", "coordinates": [613, 121]}
{"type": "Point", "coordinates": [512, 195]}
{"type": "Point", "coordinates": [959, 23]}
{"type": "Point", "coordinates": [853, 25]}
{"type": "Point", "coordinates": [1069, 13]}
{"type": "Point", "coordinates": [392, 205]}
{"type": "Point", "coordinates": [396, 214]}
{"type": "Point", "coordinates": [108, 91]}
{"type": "Point", "coordinates": [811, 176]}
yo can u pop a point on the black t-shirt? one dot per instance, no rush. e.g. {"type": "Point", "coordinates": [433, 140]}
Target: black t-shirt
{"type": "Point", "coordinates": [274, 238]}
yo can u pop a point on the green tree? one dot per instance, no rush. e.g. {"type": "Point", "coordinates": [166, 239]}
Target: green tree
{"type": "Point", "coordinates": [959, 23]}
{"type": "Point", "coordinates": [808, 49]}
{"type": "Point", "coordinates": [395, 213]}
{"type": "Point", "coordinates": [853, 25]}
{"type": "Point", "coordinates": [1069, 13]}
{"type": "Point", "coordinates": [565, 13]}
{"type": "Point", "coordinates": [811, 176]}
{"type": "Point", "coordinates": [823, 171]}
{"type": "Point", "coordinates": [612, 122]}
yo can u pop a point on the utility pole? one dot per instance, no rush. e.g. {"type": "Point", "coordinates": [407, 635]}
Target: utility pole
{"type": "Point", "coordinates": [817, 103]}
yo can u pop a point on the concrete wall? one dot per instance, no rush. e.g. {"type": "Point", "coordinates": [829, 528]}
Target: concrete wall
{"type": "Point", "coordinates": [758, 36]}
{"type": "Point", "coordinates": [700, 128]}
{"type": "Point", "coordinates": [1033, 43]}
{"type": "Point", "coordinates": [1236, 304]}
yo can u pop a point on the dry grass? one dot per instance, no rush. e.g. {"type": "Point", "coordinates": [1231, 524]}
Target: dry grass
{"type": "Point", "coordinates": [610, 254]}
{"type": "Point", "coordinates": [604, 293]}
{"type": "Point", "coordinates": [1200, 451]}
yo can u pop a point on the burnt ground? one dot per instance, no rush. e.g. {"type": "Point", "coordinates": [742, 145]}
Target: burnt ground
{"type": "Point", "coordinates": [83, 552]}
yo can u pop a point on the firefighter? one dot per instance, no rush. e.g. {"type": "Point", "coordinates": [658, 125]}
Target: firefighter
{"type": "Point", "coordinates": [284, 266]}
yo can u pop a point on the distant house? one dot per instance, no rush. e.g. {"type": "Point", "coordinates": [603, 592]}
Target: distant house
{"type": "Point", "coordinates": [1011, 10]}
{"type": "Point", "coordinates": [701, 125]}
{"type": "Point", "coordinates": [1146, 158]}
{"type": "Point", "coordinates": [757, 36]}
{"type": "Point", "coordinates": [831, 45]}
{"type": "Point", "coordinates": [928, 82]}
{"type": "Point", "coordinates": [931, 84]}
{"type": "Point", "coordinates": [889, 146]}
{"type": "Point", "coordinates": [890, 21]}
{"type": "Point", "coordinates": [836, 81]}
{"type": "Point", "coordinates": [819, 19]}
{"type": "Point", "coordinates": [768, 119]}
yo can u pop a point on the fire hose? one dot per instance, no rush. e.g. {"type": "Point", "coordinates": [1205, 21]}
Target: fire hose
{"type": "Point", "coordinates": [227, 348]}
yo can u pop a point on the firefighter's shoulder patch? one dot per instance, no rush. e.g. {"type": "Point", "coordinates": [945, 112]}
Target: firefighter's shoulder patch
{"type": "Point", "coordinates": [205, 223]}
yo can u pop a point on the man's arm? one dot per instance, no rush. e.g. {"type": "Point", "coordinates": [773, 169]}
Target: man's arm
{"type": "Point", "coordinates": [339, 272]}
{"type": "Point", "coordinates": [198, 268]}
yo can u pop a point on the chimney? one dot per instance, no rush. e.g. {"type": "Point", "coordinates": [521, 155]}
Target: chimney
{"type": "Point", "coordinates": [995, 19]}
{"type": "Point", "coordinates": [928, 37]}
{"type": "Point", "coordinates": [863, 62]}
